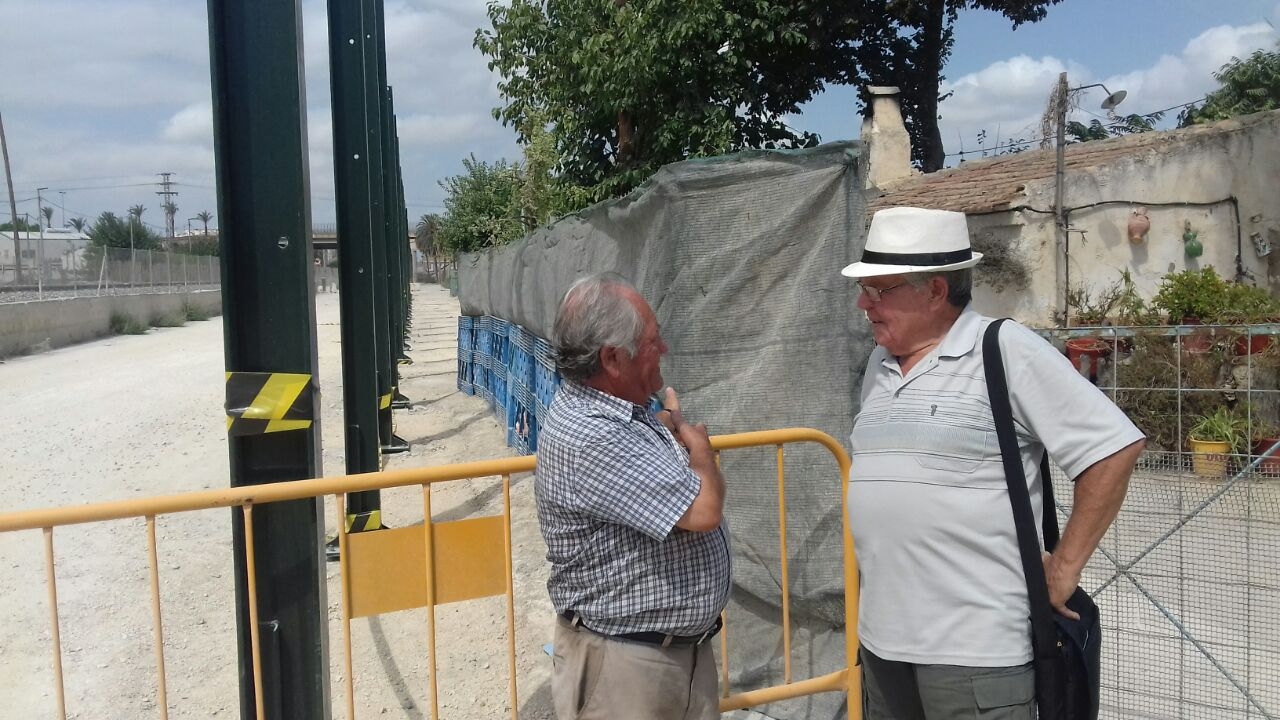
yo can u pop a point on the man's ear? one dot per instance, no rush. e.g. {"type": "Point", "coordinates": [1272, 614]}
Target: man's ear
{"type": "Point", "coordinates": [937, 290]}
{"type": "Point", "coordinates": [611, 361]}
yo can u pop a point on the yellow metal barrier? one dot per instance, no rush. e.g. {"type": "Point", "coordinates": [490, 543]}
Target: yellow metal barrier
{"type": "Point", "coordinates": [457, 558]}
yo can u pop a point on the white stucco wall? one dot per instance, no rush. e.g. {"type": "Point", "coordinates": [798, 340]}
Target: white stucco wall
{"type": "Point", "coordinates": [1189, 180]}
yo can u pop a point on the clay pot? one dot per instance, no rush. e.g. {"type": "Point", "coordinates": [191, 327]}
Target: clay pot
{"type": "Point", "coordinates": [1086, 354]}
{"type": "Point", "coordinates": [1139, 224]}
{"type": "Point", "coordinates": [1270, 465]}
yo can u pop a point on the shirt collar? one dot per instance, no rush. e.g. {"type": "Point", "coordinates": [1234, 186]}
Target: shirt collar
{"type": "Point", "coordinates": [610, 405]}
{"type": "Point", "coordinates": [963, 335]}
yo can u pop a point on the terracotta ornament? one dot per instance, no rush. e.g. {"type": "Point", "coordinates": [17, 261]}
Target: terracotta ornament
{"type": "Point", "coordinates": [1139, 224]}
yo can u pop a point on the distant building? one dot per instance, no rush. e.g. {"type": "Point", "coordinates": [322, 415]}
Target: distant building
{"type": "Point", "coordinates": [60, 252]}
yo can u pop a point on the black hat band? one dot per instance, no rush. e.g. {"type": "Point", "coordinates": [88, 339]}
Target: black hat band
{"type": "Point", "coordinates": [923, 259]}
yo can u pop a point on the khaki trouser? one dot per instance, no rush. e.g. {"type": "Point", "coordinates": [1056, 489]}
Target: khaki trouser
{"type": "Point", "coordinates": [598, 678]}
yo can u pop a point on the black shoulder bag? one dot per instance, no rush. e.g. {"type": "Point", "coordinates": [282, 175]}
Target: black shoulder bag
{"type": "Point", "coordinates": [1067, 653]}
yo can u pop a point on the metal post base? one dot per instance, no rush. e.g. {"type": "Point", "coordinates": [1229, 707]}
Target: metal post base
{"type": "Point", "coordinates": [397, 445]}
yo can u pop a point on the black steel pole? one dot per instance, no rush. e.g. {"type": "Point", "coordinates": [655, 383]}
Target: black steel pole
{"type": "Point", "coordinates": [259, 122]}
{"type": "Point", "coordinates": [352, 182]}
{"type": "Point", "coordinates": [377, 212]}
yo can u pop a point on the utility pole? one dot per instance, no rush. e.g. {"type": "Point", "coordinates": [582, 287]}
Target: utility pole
{"type": "Point", "coordinates": [1059, 212]}
{"type": "Point", "coordinates": [40, 248]}
{"type": "Point", "coordinates": [62, 203]}
{"type": "Point", "coordinates": [169, 208]}
{"type": "Point", "coordinates": [13, 209]}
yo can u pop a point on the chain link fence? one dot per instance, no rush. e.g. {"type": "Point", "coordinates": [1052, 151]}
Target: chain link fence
{"type": "Point", "coordinates": [1188, 577]}
{"type": "Point", "coordinates": [95, 270]}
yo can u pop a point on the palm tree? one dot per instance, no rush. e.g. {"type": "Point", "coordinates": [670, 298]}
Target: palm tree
{"type": "Point", "coordinates": [47, 212]}
{"type": "Point", "coordinates": [79, 224]}
{"type": "Point", "coordinates": [424, 238]}
{"type": "Point", "coordinates": [170, 211]}
{"type": "Point", "coordinates": [135, 213]}
{"type": "Point", "coordinates": [205, 216]}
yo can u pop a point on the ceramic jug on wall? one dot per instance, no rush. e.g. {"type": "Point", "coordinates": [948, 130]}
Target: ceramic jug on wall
{"type": "Point", "coordinates": [1139, 224]}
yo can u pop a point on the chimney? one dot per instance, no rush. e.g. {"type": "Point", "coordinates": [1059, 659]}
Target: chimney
{"type": "Point", "coordinates": [885, 135]}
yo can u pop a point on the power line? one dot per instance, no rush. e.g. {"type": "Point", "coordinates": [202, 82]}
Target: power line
{"type": "Point", "coordinates": [1117, 123]}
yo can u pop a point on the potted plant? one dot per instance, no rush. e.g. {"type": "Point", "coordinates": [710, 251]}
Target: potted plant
{"type": "Point", "coordinates": [1212, 438]}
{"type": "Point", "coordinates": [1090, 310]}
{"type": "Point", "coordinates": [1265, 435]}
{"type": "Point", "coordinates": [1248, 305]}
{"type": "Point", "coordinates": [1192, 297]}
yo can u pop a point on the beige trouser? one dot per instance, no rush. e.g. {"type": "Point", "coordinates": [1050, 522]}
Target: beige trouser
{"type": "Point", "coordinates": [597, 678]}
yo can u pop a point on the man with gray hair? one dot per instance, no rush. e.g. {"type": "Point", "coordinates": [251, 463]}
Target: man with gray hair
{"type": "Point", "coordinates": [632, 517]}
{"type": "Point", "coordinates": [943, 609]}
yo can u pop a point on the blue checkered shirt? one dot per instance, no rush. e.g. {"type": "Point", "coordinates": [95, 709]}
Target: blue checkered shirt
{"type": "Point", "coordinates": [611, 484]}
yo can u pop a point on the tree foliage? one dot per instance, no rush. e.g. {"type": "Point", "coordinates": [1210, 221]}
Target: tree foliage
{"type": "Point", "coordinates": [625, 86]}
{"type": "Point", "coordinates": [110, 230]}
{"type": "Point", "coordinates": [481, 208]}
{"type": "Point", "coordinates": [906, 43]}
{"type": "Point", "coordinates": [1118, 126]}
{"type": "Point", "coordinates": [1247, 86]}
{"type": "Point", "coordinates": [23, 226]}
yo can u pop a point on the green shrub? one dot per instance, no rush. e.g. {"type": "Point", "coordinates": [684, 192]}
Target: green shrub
{"type": "Point", "coordinates": [1197, 294]}
{"type": "Point", "coordinates": [124, 324]}
{"type": "Point", "coordinates": [169, 319]}
{"type": "Point", "coordinates": [193, 312]}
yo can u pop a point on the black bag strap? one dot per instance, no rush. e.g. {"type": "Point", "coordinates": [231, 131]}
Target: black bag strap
{"type": "Point", "coordinates": [1043, 632]}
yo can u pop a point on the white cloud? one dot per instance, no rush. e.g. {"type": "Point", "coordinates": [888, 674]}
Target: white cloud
{"type": "Point", "coordinates": [1008, 97]}
{"type": "Point", "coordinates": [191, 124]}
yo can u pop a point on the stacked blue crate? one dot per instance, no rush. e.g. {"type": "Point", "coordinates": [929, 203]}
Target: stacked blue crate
{"type": "Point", "coordinates": [483, 330]}
{"type": "Point", "coordinates": [498, 367]}
{"type": "Point", "coordinates": [545, 378]}
{"type": "Point", "coordinates": [465, 353]}
{"type": "Point", "coordinates": [521, 416]}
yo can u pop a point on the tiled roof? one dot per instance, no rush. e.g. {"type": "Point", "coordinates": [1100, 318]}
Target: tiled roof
{"type": "Point", "coordinates": [999, 183]}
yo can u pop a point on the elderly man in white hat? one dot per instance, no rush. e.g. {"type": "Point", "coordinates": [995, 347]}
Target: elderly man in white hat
{"type": "Point", "coordinates": [943, 618]}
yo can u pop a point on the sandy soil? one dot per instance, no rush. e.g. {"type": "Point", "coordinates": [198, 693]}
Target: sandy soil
{"type": "Point", "coordinates": [131, 417]}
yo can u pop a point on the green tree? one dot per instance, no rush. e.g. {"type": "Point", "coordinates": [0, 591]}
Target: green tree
{"type": "Point", "coordinates": [1247, 86]}
{"type": "Point", "coordinates": [110, 230]}
{"type": "Point", "coordinates": [204, 216]}
{"type": "Point", "coordinates": [906, 43]}
{"type": "Point", "coordinates": [1078, 132]}
{"type": "Point", "coordinates": [47, 212]}
{"type": "Point", "coordinates": [629, 85]}
{"type": "Point", "coordinates": [78, 223]}
{"type": "Point", "coordinates": [424, 233]}
{"type": "Point", "coordinates": [23, 226]}
{"type": "Point", "coordinates": [481, 207]}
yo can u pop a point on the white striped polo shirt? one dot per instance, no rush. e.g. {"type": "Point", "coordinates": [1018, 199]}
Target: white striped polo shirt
{"type": "Point", "coordinates": [928, 503]}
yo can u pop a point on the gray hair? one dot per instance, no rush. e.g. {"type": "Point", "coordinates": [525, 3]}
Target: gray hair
{"type": "Point", "coordinates": [959, 284]}
{"type": "Point", "coordinates": [594, 313]}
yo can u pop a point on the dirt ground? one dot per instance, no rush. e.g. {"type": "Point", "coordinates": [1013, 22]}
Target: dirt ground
{"type": "Point", "coordinates": [137, 416]}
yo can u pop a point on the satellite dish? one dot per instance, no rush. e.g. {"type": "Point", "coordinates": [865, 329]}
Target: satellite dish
{"type": "Point", "coordinates": [1114, 99]}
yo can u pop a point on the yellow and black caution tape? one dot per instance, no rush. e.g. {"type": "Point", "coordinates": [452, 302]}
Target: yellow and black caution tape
{"type": "Point", "coordinates": [360, 522]}
{"type": "Point", "coordinates": [384, 402]}
{"type": "Point", "coordinates": [268, 402]}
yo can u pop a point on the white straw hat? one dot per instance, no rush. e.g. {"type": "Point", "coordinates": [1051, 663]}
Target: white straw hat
{"type": "Point", "coordinates": [910, 240]}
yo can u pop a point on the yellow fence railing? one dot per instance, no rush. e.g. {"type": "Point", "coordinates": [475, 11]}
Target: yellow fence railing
{"type": "Point", "coordinates": [459, 560]}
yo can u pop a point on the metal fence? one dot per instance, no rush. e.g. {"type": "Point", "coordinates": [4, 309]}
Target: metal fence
{"type": "Point", "coordinates": [1188, 578]}
{"type": "Point", "coordinates": [93, 270]}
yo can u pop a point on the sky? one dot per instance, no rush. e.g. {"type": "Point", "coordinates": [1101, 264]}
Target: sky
{"type": "Point", "coordinates": [100, 96]}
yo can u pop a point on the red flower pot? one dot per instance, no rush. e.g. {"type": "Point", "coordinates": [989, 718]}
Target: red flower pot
{"type": "Point", "coordinates": [1086, 355]}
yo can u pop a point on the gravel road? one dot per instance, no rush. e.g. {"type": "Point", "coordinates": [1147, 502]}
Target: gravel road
{"type": "Point", "coordinates": [135, 416]}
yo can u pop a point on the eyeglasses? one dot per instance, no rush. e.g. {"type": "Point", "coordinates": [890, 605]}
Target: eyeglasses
{"type": "Point", "coordinates": [874, 294]}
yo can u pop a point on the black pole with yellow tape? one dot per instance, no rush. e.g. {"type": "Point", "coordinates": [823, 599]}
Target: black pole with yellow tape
{"type": "Point", "coordinates": [353, 185]}
{"type": "Point", "coordinates": [260, 153]}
